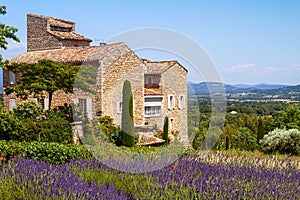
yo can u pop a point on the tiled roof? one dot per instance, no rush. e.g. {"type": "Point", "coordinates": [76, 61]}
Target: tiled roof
{"type": "Point", "coordinates": [60, 23]}
{"type": "Point", "coordinates": [69, 36]}
{"type": "Point", "coordinates": [68, 54]}
{"type": "Point", "coordinates": [158, 67]}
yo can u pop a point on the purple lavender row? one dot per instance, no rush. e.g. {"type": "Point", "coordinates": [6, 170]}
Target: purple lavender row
{"type": "Point", "coordinates": [45, 180]}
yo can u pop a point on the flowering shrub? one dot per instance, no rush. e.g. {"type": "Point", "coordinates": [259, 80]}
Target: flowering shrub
{"type": "Point", "coordinates": [282, 141]}
{"type": "Point", "coordinates": [31, 109]}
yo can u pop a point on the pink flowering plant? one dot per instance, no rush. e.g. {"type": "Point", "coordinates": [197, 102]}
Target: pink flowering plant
{"type": "Point", "coordinates": [31, 109]}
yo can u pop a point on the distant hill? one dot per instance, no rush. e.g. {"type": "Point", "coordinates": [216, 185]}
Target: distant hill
{"type": "Point", "coordinates": [247, 92]}
{"type": "Point", "coordinates": [261, 86]}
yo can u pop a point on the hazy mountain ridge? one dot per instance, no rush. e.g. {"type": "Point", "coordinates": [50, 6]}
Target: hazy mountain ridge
{"type": "Point", "coordinates": [251, 92]}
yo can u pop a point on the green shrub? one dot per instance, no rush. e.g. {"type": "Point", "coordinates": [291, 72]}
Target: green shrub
{"type": "Point", "coordinates": [281, 141]}
{"type": "Point", "coordinates": [64, 111]}
{"type": "Point", "coordinates": [110, 130]}
{"type": "Point", "coordinates": [52, 129]}
{"type": "Point", "coordinates": [8, 125]}
{"type": "Point", "coordinates": [45, 151]}
{"type": "Point", "coordinates": [245, 139]}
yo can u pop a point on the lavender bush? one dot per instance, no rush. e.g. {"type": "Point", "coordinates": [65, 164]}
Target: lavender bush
{"type": "Point", "coordinates": [29, 179]}
{"type": "Point", "coordinates": [214, 176]}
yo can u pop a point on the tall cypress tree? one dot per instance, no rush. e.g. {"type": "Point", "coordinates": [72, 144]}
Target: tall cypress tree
{"type": "Point", "coordinates": [260, 129]}
{"type": "Point", "coordinates": [166, 130]}
{"type": "Point", "coordinates": [127, 125]}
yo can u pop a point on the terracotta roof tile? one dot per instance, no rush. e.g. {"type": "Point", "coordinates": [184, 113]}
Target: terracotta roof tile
{"type": "Point", "coordinates": [67, 54]}
{"type": "Point", "coordinates": [60, 23]}
{"type": "Point", "coordinates": [69, 36]}
{"type": "Point", "coordinates": [158, 67]}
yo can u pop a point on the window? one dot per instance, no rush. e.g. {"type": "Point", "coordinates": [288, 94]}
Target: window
{"type": "Point", "coordinates": [12, 104]}
{"type": "Point", "coordinates": [85, 105]}
{"type": "Point", "coordinates": [171, 102]}
{"type": "Point", "coordinates": [60, 29]}
{"type": "Point", "coordinates": [149, 81]}
{"type": "Point", "coordinates": [181, 102]}
{"type": "Point", "coordinates": [153, 106]}
{"type": "Point", "coordinates": [119, 107]}
{"type": "Point", "coordinates": [12, 77]}
{"type": "Point", "coordinates": [171, 123]}
{"type": "Point", "coordinates": [152, 110]}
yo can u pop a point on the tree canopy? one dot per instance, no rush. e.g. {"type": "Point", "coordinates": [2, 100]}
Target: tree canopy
{"type": "Point", "coordinates": [46, 75]}
{"type": "Point", "coordinates": [6, 32]}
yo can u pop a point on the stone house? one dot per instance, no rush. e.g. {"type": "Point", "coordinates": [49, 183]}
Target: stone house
{"type": "Point", "coordinates": [159, 88]}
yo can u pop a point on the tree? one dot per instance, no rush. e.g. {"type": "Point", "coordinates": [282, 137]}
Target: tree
{"type": "Point", "coordinates": [127, 124]}
{"type": "Point", "coordinates": [6, 32]}
{"type": "Point", "coordinates": [260, 129]}
{"type": "Point", "coordinates": [46, 75]}
{"type": "Point", "coordinates": [166, 130]}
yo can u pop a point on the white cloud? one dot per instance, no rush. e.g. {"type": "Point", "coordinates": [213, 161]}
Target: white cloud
{"type": "Point", "coordinates": [13, 49]}
{"type": "Point", "coordinates": [270, 69]}
{"type": "Point", "coordinates": [242, 68]}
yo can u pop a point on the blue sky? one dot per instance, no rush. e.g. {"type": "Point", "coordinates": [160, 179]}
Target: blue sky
{"type": "Point", "coordinates": [249, 41]}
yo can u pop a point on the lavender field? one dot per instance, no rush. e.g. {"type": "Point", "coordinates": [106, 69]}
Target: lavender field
{"type": "Point", "coordinates": [215, 176]}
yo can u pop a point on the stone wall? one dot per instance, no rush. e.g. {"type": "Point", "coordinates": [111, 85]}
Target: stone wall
{"type": "Point", "coordinates": [174, 82]}
{"type": "Point", "coordinates": [37, 36]}
{"type": "Point", "coordinates": [125, 66]}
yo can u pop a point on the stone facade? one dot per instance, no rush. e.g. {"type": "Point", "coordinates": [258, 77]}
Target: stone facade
{"type": "Point", "coordinates": [45, 32]}
{"type": "Point", "coordinates": [152, 82]}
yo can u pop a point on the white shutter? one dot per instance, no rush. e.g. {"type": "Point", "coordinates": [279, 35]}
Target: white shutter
{"type": "Point", "coordinates": [12, 103]}
{"type": "Point", "coordinates": [89, 108]}
{"type": "Point", "coordinates": [75, 101]}
{"type": "Point", "coordinates": [170, 102]}
{"type": "Point", "coordinates": [46, 103]}
{"type": "Point", "coordinates": [119, 107]}
{"type": "Point", "coordinates": [181, 102]}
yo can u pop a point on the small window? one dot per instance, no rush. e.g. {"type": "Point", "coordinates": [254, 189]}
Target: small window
{"type": "Point", "coordinates": [12, 104]}
{"type": "Point", "coordinates": [171, 123]}
{"type": "Point", "coordinates": [149, 80]}
{"type": "Point", "coordinates": [181, 102]}
{"type": "Point", "coordinates": [12, 77]}
{"type": "Point", "coordinates": [152, 110]}
{"type": "Point", "coordinates": [119, 107]}
{"type": "Point", "coordinates": [171, 102]}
